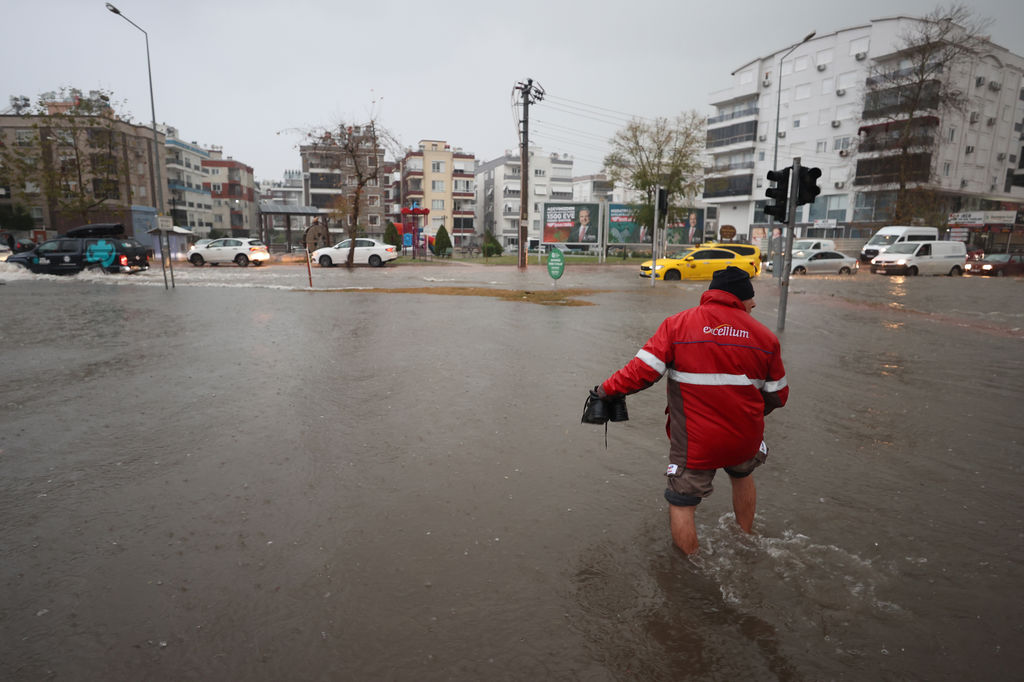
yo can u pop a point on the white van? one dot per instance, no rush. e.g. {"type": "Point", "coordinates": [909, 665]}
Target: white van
{"type": "Point", "coordinates": [895, 234]}
{"type": "Point", "coordinates": [814, 245]}
{"type": "Point", "coordinates": [924, 258]}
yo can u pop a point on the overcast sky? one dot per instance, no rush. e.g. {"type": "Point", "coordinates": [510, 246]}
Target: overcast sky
{"type": "Point", "coordinates": [250, 76]}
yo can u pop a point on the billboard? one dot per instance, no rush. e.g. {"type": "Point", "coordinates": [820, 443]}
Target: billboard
{"type": "Point", "coordinates": [623, 228]}
{"type": "Point", "coordinates": [690, 230]}
{"type": "Point", "coordinates": [571, 223]}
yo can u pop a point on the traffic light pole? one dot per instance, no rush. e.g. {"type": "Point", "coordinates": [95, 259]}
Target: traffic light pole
{"type": "Point", "coordinates": [794, 191]}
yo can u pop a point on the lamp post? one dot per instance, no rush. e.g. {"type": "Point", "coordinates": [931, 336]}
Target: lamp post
{"type": "Point", "coordinates": [778, 111]}
{"type": "Point", "coordinates": [152, 108]}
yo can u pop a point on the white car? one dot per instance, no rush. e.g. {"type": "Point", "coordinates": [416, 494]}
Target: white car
{"type": "Point", "coordinates": [369, 251]}
{"type": "Point", "coordinates": [824, 263]}
{"type": "Point", "coordinates": [229, 250]}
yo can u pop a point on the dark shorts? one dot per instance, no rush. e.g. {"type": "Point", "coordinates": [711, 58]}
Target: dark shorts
{"type": "Point", "coordinates": [692, 485]}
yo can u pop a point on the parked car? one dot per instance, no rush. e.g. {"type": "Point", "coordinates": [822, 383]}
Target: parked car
{"type": "Point", "coordinates": [369, 251]}
{"type": "Point", "coordinates": [824, 263]}
{"type": "Point", "coordinates": [235, 250]}
{"type": "Point", "coordinates": [895, 234]}
{"type": "Point", "coordinates": [698, 263]}
{"type": "Point", "coordinates": [997, 264]}
{"type": "Point", "coordinates": [814, 245]}
{"type": "Point", "coordinates": [100, 246]}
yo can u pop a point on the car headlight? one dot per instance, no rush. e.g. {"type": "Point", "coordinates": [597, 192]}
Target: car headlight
{"type": "Point", "coordinates": [659, 267]}
{"type": "Point", "coordinates": [986, 266]}
{"type": "Point", "coordinates": [901, 261]}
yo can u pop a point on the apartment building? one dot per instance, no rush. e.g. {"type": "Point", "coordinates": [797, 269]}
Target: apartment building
{"type": "Point", "coordinates": [498, 190]}
{"type": "Point", "coordinates": [232, 188]}
{"type": "Point", "coordinates": [93, 167]}
{"type": "Point", "coordinates": [439, 177]}
{"type": "Point", "coordinates": [831, 117]}
{"type": "Point", "coordinates": [330, 179]}
{"type": "Point", "coordinates": [188, 190]}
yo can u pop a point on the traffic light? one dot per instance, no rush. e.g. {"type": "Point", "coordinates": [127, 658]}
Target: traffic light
{"type": "Point", "coordinates": [808, 186]}
{"type": "Point", "coordinates": [780, 193]}
{"type": "Point", "coordinates": [662, 201]}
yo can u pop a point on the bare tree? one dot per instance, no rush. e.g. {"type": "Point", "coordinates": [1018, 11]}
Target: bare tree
{"type": "Point", "coordinates": [662, 152]}
{"type": "Point", "coordinates": [356, 154]}
{"type": "Point", "coordinates": [71, 152]}
{"type": "Point", "coordinates": [906, 95]}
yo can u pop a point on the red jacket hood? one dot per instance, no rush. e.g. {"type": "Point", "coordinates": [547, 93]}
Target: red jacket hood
{"type": "Point", "coordinates": [723, 298]}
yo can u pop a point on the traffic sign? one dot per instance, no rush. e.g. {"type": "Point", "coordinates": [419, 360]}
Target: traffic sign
{"type": "Point", "coordinates": [556, 263]}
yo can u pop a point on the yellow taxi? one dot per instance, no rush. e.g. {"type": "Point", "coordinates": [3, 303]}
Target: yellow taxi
{"type": "Point", "coordinates": [742, 249]}
{"type": "Point", "coordinates": [701, 262]}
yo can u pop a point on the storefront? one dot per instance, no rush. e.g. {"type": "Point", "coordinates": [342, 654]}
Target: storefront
{"type": "Point", "coordinates": [992, 231]}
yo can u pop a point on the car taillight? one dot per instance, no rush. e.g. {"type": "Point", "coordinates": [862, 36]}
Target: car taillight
{"type": "Point", "coordinates": [391, 249]}
{"type": "Point", "coordinates": [124, 259]}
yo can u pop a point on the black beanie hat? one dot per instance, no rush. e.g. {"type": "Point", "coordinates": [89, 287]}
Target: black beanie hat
{"type": "Point", "coordinates": [733, 280]}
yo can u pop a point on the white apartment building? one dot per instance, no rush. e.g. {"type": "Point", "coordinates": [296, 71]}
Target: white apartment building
{"type": "Point", "coordinates": [190, 202]}
{"type": "Point", "coordinates": [824, 118]}
{"type": "Point", "coordinates": [498, 189]}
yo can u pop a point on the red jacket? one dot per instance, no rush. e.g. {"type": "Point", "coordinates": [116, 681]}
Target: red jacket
{"type": "Point", "coordinates": [724, 374]}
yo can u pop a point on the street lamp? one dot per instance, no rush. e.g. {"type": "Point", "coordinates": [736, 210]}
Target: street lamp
{"type": "Point", "coordinates": [152, 108]}
{"type": "Point", "coordinates": [778, 111]}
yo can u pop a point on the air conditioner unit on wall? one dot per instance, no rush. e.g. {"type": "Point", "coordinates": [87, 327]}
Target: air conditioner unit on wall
{"type": "Point", "coordinates": [860, 56]}
{"type": "Point", "coordinates": [979, 81]}
{"type": "Point", "coordinates": [836, 124]}
{"type": "Point", "coordinates": [844, 152]}
{"type": "Point", "coordinates": [840, 92]}
{"type": "Point", "coordinates": [991, 121]}
{"type": "Point", "coordinates": [969, 149]}
{"type": "Point", "coordinates": [821, 67]}
{"type": "Point", "coordinates": [766, 82]}
{"type": "Point", "coordinates": [1001, 155]}
{"type": "Point", "coordinates": [963, 183]}
{"type": "Point", "coordinates": [763, 138]}
{"type": "Point", "coordinates": [782, 133]}
{"type": "Point", "coordinates": [975, 116]}
{"type": "Point", "coordinates": [840, 184]}
{"type": "Point", "coordinates": [994, 86]}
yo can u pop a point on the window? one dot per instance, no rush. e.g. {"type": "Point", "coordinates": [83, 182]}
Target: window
{"type": "Point", "coordinates": [24, 138]}
{"type": "Point", "coordinates": [437, 204]}
{"type": "Point", "coordinates": [539, 172]}
{"type": "Point", "coordinates": [827, 85]}
{"type": "Point", "coordinates": [846, 80]}
{"type": "Point", "coordinates": [859, 45]}
{"type": "Point", "coordinates": [802, 91]}
{"type": "Point", "coordinates": [437, 185]}
{"type": "Point", "coordinates": [373, 200]}
{"type": "Point", "coordinates": [946, 167]}
{"type": "Point", "coordinates": [437, 166]}
{"type": "Point", "coordinates": [824, 116]}
{"type": "Point", "coordinates": [952, 135]}
{"type": "Point", "coordinates": [841, 143]}
{"type": "Point", "coordinates": [823, 57]}
{"type": "Point", "coordinates": [374, 219]}
{"type": "Point", "coordinates": [821, 146]}
{"type": "Point", "coordinates": [796, 120]}
{"type": "Point", "coordinates": [801, 63]}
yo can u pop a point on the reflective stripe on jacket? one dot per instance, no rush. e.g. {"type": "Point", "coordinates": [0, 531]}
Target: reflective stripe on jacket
{"type": "Point", "coordinates": [724, 367]}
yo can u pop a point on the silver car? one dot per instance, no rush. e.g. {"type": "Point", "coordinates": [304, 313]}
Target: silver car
{"type": "Point", "coordinates": [824, 263]}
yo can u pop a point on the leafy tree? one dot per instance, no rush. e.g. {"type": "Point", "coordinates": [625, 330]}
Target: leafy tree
{"type": "Point", "coordinates": [356, 152]}
{"type": "Point", "coordinates": [16, 217]}
{"type": "Point", "coordinates": [74, 156]}
{"type": "Point", "coordinates": [906, 96]}
{"type": "Point", "coordinates": [442, 242]}
{"type": "Point", "coordinates": [491, 247]}
{"type": "Point", "coordinates": [391, 235]}
{"type": "Point", "coordinates": [661, 152]}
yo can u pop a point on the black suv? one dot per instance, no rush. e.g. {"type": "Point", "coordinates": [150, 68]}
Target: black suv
{"type": "Point", "coordinates": [97, 246]}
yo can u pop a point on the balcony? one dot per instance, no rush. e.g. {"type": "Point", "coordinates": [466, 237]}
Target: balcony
{"type": "Point", "coordinates": [728, 186]}
{"type": "Point", "coordinates": [739, 165]}
{"type": "Point", "coordinates": [752, 111]}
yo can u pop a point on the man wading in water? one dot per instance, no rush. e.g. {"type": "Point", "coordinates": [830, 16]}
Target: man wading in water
{"type": "Point", "coordinates": [725, 374]}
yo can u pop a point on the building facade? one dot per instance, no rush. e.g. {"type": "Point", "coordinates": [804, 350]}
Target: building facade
{"type": "Point", "coordinates": [232, 188]}
{"type": "Point", "coordinates": [330, 180]}
{"type": "Point", "coordinates": [78, 163]}
{"type": "Point", "coordinates": [439, 177]}
{"type": "Point", "coordinates": [815, 101]}
{"type": "Point", "coordinates": [499, 188]}
{"type": "Point", "coordinates": [188, 190]}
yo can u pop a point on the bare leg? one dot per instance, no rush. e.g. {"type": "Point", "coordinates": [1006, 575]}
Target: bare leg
{"type": "Point", "coordinates": [744, 501]}
{"type": "Point", "coordinates": [684, 528]}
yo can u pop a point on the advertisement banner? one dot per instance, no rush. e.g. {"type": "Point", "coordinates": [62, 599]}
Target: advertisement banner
{"type": "Point", "coordinates": [622, 229]}
{"type": "Point", "coordinates": [570, 223]}
{"type": "Point", "coordinates": [690, 231]}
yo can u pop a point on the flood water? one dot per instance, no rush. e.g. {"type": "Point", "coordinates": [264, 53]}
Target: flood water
{"type": "Point", "coordinates": [244, 479]}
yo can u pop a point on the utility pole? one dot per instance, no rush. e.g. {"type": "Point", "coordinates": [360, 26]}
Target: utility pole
{"type": "Point", "coordinates": [531, 95]}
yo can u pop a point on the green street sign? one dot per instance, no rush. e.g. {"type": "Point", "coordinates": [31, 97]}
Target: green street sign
{"type": "Point", "coordinates": [556, 263]}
